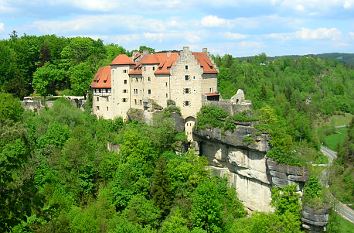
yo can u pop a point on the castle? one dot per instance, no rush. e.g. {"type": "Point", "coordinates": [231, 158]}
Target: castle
{"type": "Point", "coordinates": [183, 77]}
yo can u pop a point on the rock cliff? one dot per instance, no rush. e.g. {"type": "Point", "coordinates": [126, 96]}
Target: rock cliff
{"type": "Point", "coordinates": [241, 157]}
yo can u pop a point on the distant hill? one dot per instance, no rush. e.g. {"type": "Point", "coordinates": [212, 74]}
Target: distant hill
{"type": "Point", "coordinates": [347, 58]}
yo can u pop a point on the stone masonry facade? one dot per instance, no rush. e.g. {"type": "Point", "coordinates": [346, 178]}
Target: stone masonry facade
{"type": "Point", "coordinates": [184, 77]}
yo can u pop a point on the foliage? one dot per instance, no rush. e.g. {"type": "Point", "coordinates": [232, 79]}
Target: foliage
{"type": "Point", "coordinates": [10, 108]}
{"type": "Point", "coordinates": [213, 117]}
{"type": "Point", "coordinates": [286, 200]}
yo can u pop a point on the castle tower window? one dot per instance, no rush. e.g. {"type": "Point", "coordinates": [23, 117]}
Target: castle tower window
{"type": "Point", "coordinates": [211, 90]}
{"type": "Point", "coordinates": [124, 100]}
{"type": "Point", "coordinates": [149, 91]}
{"type": "Point", "coordinates": [153, 68]}
{"type": "Point", "coordinates": [140, 102]}
{"type": "Point", "coordinates": [107, 109]}
{"type": "Point", "coordinates": [125, 91]}
{"type": "Point", "coordinates": [124, 71]}
{"type": "Point", "coordinates": [135, 102]}
{"type": "Point", "coordinates": [166, 84]}
{"type": "Point", "coordinates": [97, 107]}
{"type": "Point", "coordinates": [166, 95]}
{"type": "Point", "coordinates": [186, 77]}
{"type": "Point", "coordinates": [125, 81]}
{"type": "Point", "coordinates": [149, 79]}
{"type": "Point", "coordinates": [186, 103]}
{"type": "Point", "coordinates": [98, 99]}
{"type": "Point", "coordinates": [186, 90]}
{"type": "Point", "coordinates": [186, 67]}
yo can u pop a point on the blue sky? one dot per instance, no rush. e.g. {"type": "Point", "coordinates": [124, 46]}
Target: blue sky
{"type": "Point", "coordinates": [237, 27]}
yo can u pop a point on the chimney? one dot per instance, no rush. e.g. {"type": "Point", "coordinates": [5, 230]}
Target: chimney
{"type": "Point", "coordinates": [185, 49]}
{"type": "Point", "coordinates": [205, 50]}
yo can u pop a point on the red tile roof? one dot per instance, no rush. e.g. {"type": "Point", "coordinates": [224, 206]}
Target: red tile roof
{"type": "Point", "coordinates": [205, 63]}
{"type": "Point", "coordinates": [166, 62]}
{"type": "Point", "coordinates": [150, 59]}
{"type": "Point", "coordinates": [102, 78]}
{"type": "Point", "coordinates": [122, 59]}
{"type": "Point", "coordinates": [212, 94]}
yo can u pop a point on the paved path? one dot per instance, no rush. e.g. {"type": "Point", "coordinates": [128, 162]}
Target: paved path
{"type": "Point", "coordinates": [342, 209]}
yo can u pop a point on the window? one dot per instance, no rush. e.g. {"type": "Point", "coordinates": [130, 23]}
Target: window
{"type": "Point", "coordinates": [193, 77]}
{"type": "Point", "coordinates": [166, 84]}
{"type": "Point", "coordinates": [186, 77]}
{"type": "Point", "coordinates": [104, 81]}
{"type": "Point", "coordinates": [211, 90]}
{"type": "Point", "coordinates": [149, 91]}
{"type": "Point", "coordinates": [149, 79]}
{"type": "Point", "coordinates": [107, 108]}
{"type": "Point", "coordinates": [124, 100]}
{"type": "Point", "coordinates": [125, 91]}
{"type": "Point", "coordinates": [166, 95]}
{"type": "Point", "coordinates": [125, 81]}
{"type": "Point", "coordinates": [186, 67]}
{"type": "Point", "coordinates": [98, 107]}
{"type": "Point", "coordinates": [153, 68]}
{"type": "Point", "coordinates": [144, 68]}
{"type": "Point", "coordinates": [124, 71]}
{"type": "Point", "coordinates": [136, 91]}
{"type": "Point", "coordinates": [141, 102]}
{"type": "Point", "coordinates": [98, 99]}
{"type": "Point", "coordinates": [135, 102]}
{"type": "Point", "coordinates": [186, 90]}
{"type": "Point", "coordinates": [186, 103]}
{"type": "Point", "coordinates": [95, 90]}
{"type": "Point", "coordinates": [99, 90]}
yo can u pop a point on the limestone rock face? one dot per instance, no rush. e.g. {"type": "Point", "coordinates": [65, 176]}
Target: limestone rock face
{"type": "Point", "coordinates": [282, 174]}
{"type": "Point", "coordinates": [245, 165]}
{"type": "Point", "coordinates": [314, 220]}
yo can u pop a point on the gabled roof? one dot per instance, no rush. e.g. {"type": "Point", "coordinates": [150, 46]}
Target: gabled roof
{"type": "Point", "coordinates": [102, 78]}
{"type": "Point", "coordinates": [150, 59]}
{"type": "Point", "coordinates": [166, 62]}
{"type": "Point", "coordinates": [122, 59]}
{"type": "Point", "coordinates": [205, 63]}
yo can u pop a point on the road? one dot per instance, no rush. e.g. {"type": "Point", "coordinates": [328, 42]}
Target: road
{"type": "Point", "coordinates": [342, 209]}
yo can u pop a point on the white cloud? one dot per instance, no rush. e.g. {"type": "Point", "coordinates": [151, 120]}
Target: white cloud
{"type": "Point", "coordinates": [5, 7]}
{"type": "Point", "coordinates": [235, 36]}
{"type": "Point", "coordinates": [351, 34]}
{"type": "Point", "coordinates": [307, 34]}
{"type": "Point", "coordinates": [313, 5]}
{"type": "Point", "coordinates": [318, 34]}
{"type": "Point", "coordinates": [213, 21]}
{"type": "Point", "coordinates": [2, 27]}
{"type": "Point", "coordinates": [249, 44]}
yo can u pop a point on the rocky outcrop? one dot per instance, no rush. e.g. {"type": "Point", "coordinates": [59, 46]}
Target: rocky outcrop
{"type": "Point", "coordinates": [241, 157]}
{"type": "Point", "coordinates": [282, 174]}
{"type": "Point", "coordinates": [314, 220]}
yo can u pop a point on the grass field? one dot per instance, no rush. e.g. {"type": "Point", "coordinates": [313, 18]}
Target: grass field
{"type": "Point", "coordinates": [340, 225]}
{"type": "Point", "coordinates": [333, 140]}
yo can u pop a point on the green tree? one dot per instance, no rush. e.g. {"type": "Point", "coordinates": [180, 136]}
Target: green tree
{"type": "Point", "coordinates": [10, 108]}
{"type": "Point", "coordinates": [80, 78]}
